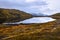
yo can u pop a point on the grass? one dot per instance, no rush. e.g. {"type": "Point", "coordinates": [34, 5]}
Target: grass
{"type": "Point", "coordinates": [46, 31]}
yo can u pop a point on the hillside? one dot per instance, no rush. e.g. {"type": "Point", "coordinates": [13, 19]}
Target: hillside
{"type": "Point", "coordinates": [56, 16]}
{"type": "Point", "coordinates": [13, 15]}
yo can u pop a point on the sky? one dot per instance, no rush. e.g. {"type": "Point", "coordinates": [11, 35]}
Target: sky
{"type": "Point", "coordinates": [33, 6]}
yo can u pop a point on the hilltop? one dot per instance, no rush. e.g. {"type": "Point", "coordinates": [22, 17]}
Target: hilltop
{"type": "Point", "coordinates": [13, 15]}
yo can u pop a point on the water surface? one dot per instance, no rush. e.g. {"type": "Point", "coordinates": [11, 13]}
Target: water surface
{"type": "Point", "coordinates": [35, 20]}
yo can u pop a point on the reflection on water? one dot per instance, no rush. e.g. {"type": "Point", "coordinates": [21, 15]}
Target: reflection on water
{"type": "Point", "coordinates": [35, 20]}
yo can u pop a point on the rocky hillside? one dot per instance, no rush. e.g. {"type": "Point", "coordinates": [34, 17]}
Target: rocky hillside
{"type": "Point", "coordinates": [13, 15]}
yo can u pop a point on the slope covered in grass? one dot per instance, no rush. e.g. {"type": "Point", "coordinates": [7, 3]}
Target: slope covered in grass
{"type": "Point", "coordinates": [56, 16]}
{"type": "Point", "coordinates": [13, 15]}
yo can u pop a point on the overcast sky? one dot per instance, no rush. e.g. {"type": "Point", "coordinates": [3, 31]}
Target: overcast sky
{"type": "Point", "coordinates": [33, 6]}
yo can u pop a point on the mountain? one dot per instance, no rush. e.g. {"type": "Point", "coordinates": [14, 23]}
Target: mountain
{"type": "Point", "coordinates": [39, 14]}
{"type": "Point", "coordinates": [13, 15]}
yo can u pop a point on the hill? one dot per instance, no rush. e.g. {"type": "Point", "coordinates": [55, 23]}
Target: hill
{"type": "Point", "coordinates": [13, 15]}
{"type": "Point", "coordinates": [56, 16]}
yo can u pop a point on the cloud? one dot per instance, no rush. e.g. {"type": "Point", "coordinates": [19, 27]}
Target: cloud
{"type": "Point", "coordinates": [33, 6]}
{"type": "Point", "coordinates": [29, 1]}
{"type": "Point", "coordinates": [53, 6]}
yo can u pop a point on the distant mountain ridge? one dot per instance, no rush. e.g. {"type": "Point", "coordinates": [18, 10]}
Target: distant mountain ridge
{"type": "Point", "coordinates": [39, 14]}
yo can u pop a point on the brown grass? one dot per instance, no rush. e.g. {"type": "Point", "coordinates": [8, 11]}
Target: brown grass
{"type": "Point", "coordinates": [46, 31]}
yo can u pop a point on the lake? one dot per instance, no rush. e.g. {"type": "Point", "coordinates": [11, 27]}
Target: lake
{"type": "Point", "coordinates": [34, 20]}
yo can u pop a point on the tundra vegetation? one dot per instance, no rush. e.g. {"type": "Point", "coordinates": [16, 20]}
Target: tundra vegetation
{"type": "Point", "coordinates": [45, 31]}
